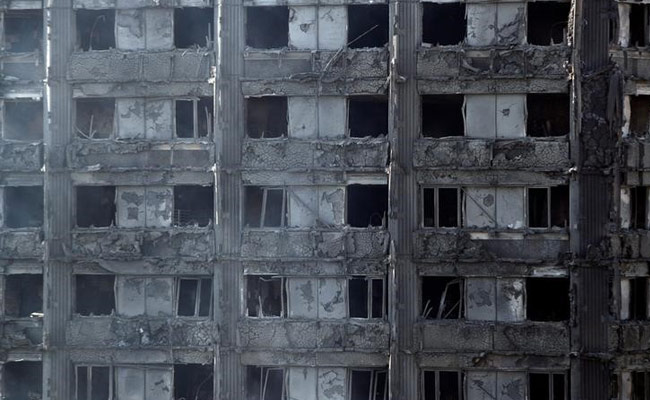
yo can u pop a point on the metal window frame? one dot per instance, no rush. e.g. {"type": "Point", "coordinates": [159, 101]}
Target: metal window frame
{"type": "Point", "coordinates": [373, 381]}
{"type": "Point", "coordinates": [195, 120]}
{"type": "Point", "coordinates": [436, 206]}
{"type": "Point", "coordinates": [283, 218]}
{"type": "Point", "coordinates": [197, 301]}
{"type": "Point", "coordinates": [264, 378]}
{"type": "Point", "coordinates": [369, 295]}
{"type": "Point", "coordinates": [89, 375]}
{"type": "Point", "coordinates": [551, 374]}
{"type": "Point", "coordinates": [283, 296]}
{"type": "Point", "coordinates": [437, 395]}
{"type": "Point", "coordinates": [548, 207]}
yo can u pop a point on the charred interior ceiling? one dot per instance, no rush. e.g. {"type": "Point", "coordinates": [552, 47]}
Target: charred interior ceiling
{"type": "Point", "coordinates": [313, 200]}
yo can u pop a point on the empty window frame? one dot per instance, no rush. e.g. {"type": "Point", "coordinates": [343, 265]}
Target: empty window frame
{"type": "Point", "coordinates": [23, 206]}
{"type": "Point", "coordinates": [95, 294]}
{"type": "Point", "coordinates": [443, 24]}
{"type": "Point", "coordinates": [367, 205]}
{"type": "Point", "coordinates": [639, 30]}
{"type": "Point", "coordinates": [368, 116]}
{"type": "Point", "coordinates": [442, 115]}
{"type": "Point", "coordinates": [95, 118]}
{"type": "Point", "coordinates": [193, 27]}
{"type": "Point", "coordinates": [640, 385]}
{"type": "Point", "coordinates": [23, 120]}
{"type": "Point", "coordinates": [23, 30]}
{"type": "Point", "coordinates": [193, 118]}
{"type": "Point", "coordinates": [266, 296]}
{"type": "Point", "coordinates": [265, 207]}
{"type": "Point", "coordinates": [95, 29]}
{"type": "Point", "coordinates": [639, 207]}
{"type": "Point", "coordinates": [639, 115]}
{"type": "Point", "coordinates": [371, 384]}
{"type": "Point", "coordinates": [193, 381]}
{"type": "Point", "coordinates": [442, 385]}
{"type": "Point", "coordinates": [548, 114]}
{"type": "Point", "coordinates": [634, 298]}
{"type": "Point", "coordinates": [94, 382]}
{"type": "Point", "coordinates": [95, 206]}
{"type": "Point", "coordinates": [548, 207]}
{"type": "Point", "coordinates": [266, 383]}
{"type": "Point", "coordinates": [443, 297]}
{"type": "Point", "coordinates": [367, 25]}
{"type": "Point", "coordinates": [547, 22]}
{"type": "Point", "coordinates": [266, 117]}
{"type": "Point", "coordinates": [366, 297]}
{"type": "Point", "coordinates": [442, 207]}
{"type": "Point", "coordinates": [23, 295]}
{"type": "Point", "coordinates": [267, 27]}
{"type": "Point", "coordinates": [194, 297]}
{"type": "Point", "coordinates": [23, 380]}
{"type": "Point", "coordinates": [193, 205]}
{"type": "Point", "coordinates": [548, 386]}
{"type": "Point", "coordinates": [540, 306]}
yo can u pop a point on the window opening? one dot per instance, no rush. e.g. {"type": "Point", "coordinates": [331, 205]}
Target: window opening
{"type": "Point", "coordinates": [193, 205]}
{"type": "Point", "coordinates": [266, 207]}
{"type": "Point", "coordinates": [193, 382]}
{"type": "Point", "coordinates": [96, 29]}
{"type": "Point", "coordinates": [193, 27]}
{"type": "Point", "coordinates": [194, 118]}
{"type": "Point", "coordinates": [638, 299]}
{"type": "Point", "coordinates": [442, 297]}
{"type": "Point", "coordinates": [266, 296]}
{"type": "Point", "coordinates": [94, 382]}
{"type": "Point", "coordinates": [547, 386]}
{"type": "Point", "coordinates": [23, 380]}
{"type": "Point", "coordinates": [95, 294]}
{"type": "Point", "coordinates": [548, 207]}
{"type": "Point", "coordinates": [366, 297]}
{"type": "Point", "coordinates": [639, 207]}
{"type": "Point", "coordinates": [265, 383]}
{"type": "Point", "coordinates": [640, 385]}
{"type": "Point", "coordinates": [194, 297]}
{"type": "Point", "coordinates": [266, 117]}
{"type": "Point", "coordinates": [442, 385]}
{"type": "Point", "coordinates": [95, 118]}
{"type": "Point", "coordinates": [442, 115]}
{"type": "Point", "coordinates": [95, 206]}
{"type": "Point", "coordinates": [442, 207]}
{"type": "Point", "coordinates": [368, 384]}
{"type": "Point", "coordinates": [547, 22]}
{"type": "Point", "coordinates": [548, 114]}
{"type": "Point", "coordinates": [639, 115]}
{"type": "Point", "coordinates": [23, 30]}
{"type": "Point", "coordinates": [23, 120]}
{"type": "Point", "coordinates": [443, 24]}
{"type": "Point", "coordinates": [367, 25]}
{"type": "Point", "coordinates": [23, 206]}
{"type": "Point", "coordinates": [23, 295]}
{"type": "Point", "coordinates": [639, 25]}
{"type": "Point", "coordinates": [267, 27]}
{"type": "Point", "coordinates": [542, 307]}
{"type": "Point", "coordinates": [367, 205]}
{"type": "Point", "coordinates": [368, 116]}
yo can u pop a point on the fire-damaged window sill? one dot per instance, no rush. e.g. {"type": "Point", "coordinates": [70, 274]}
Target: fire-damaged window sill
{"type": "Point", "coordinates": [534, 234]}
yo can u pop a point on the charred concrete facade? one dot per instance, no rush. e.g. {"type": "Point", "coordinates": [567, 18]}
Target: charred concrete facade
{"type": "Point", "coordinates": [332, 200]}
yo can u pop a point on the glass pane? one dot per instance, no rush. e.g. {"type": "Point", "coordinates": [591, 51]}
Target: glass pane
{"type": "Point", "coordinates": [206, 297]}
{"type": "Point", "coordinates": [187, 297]}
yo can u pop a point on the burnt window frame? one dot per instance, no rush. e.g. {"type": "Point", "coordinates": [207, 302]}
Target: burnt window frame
{"type": "Point", "coordinates": [284, 296]}
{"type": "Point", "coordinates": [25, 12]}
{"type": "Point", "coordinates": [436, 372]}
{"type": "Point", "coordinates": [566, 31]}
{"type": "Point", "coordinates": [176, 23]}
{"type": "Point", "coordinates": [3, 126]}
{"type": "Point", "coordinates": [247, 33]}
{"type": "Point", "coordinates": [549, 209]}
{"type": "Point", "coordinates": [284, 219]}
{"type": "Point", "coordinates": [197, 301]}
{"type": "Point", "coordinates": [635, 208]}
{"type": "Point", "coordinates": [248, 106]}
{"type": "Point", "coordinates": [196, 114]}
{"type": "Point", "coordinates": [376, 99]}
{"type": "Point", "coordinates": [75, 299]}
{"type": "Point", "coordinates": [5, 207]}
{"type": "Point", "coordinates": [79, 134]}
{"type": "Point", "coordinates": [264, 376]}
{"type": "Point", "coordinates": [646, 383]}
{"type": "Point", "coordinates": [78, 42]}
{"type": "Point", "coordinates": [76, 207]}
{"type": "Point", "coordinates": [373, 381]}
{"type": "Point", "coordinates": [460, 206]}
{"type": "Point", "coordinates": [427, 7]}
{"type": "Point", "coordinates": [4, 301]}
{"type": "Point", "coordinates": [461, 313]}
{"type": "Point", "coordinates": [551, 374]}
{"type": "Point", "coordinates": [369, 296]}
{"type": "Point", "coordinates": [527, 297]}
{"type": "Point", "coordinates": [176, 216]}
{"type": "Point", "coordinates": [632, 313]}
{"type": "Point", "coordinates": [89, 368]}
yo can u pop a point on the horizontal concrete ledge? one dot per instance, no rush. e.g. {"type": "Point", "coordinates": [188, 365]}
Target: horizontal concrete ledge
{"type": "Point", "coordinates": [21, 244]}
{"type": "Point", "coordinates": [101, 4]}
{"type": "Point", "coordinates": [133, 89]}
{"type": "Point", "coordinates": [22, 5]}
{"type": "Point", "coordinates": [311, 86]}
{"type": "Point", "coordinates": [448, 85]}
{"type": "Point", "coordinates": [492, 269]}
{"type": "Point", "coordinates": [317, 268]}
{"type": "Point", "coordinates": [479, 360]}
{"type": "Point", "coordinates": [309, 358]}
{"type": "Point", "coordinates": [21, 156]}
{"type": "Point", "coordinates": [144, 178]}
{"type": "Point", "coordinates": [141, 356]}
{"type": "Point", "coordinates": [491, 177]}
{"type": "Point", "coordinates": [146, 267]}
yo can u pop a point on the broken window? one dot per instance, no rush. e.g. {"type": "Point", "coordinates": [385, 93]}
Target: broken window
{"type": "Point", "coordinates": [193, 381]}
{"type": "Point", "coordinates": [547, 386]}
{"type": "Point", "coordinates": [639, 25]}
{"type": "Point", "coordinates": [442, 297]}
{"type": "Point", "coordinates": [23, 120]}
{"type": "Point", "coordinates": [23, 206]}
{"type": "Point", "coordinates": [442, 385]}
{"type": "Point", "coordinates": [443, 24]}
{"type": "Point", "coordinates": [547, 22]}
{"type": "Point", "coordinates": [442, 115]}
{"type": "Point", "coordinates": [267, 27]}
{"type": "Point", "coordinates": [640, 385]}
{"type": "Point", "coordinates": [193, 27]}
{"type": "Point", "coordinates": [95, 206]}
{"type": "Point", "coordinates": [93, 382]}
{"type": "Point", "coordinates": [193, 205]}
{"type": "Point", "coordinates": [95, 29]}
{"type": "Point", "coordinates": [548, 114]}
{"type": "Point", "coordinates": [194, 297]}
{"type": "Point", "coordinates": [542, 307]}
{"type": "Point", "coordinates": [266, 296]}
{"type": "Point", "coordinates": [634, 298]}
{"type": "Point", "coordinates": [368, 116]}
{"type": "Point", "coordinates": [265, 207]}
{"type": "Point", "coordinates": [639, 207]}
{"type": "Point", "coordinates": [265, 383]}
{"type": "Point", "coordinates": [95, 294]}
{"type": "Point", "coordinates": [367, 25]}
{"type": "Point", "coordinates": [366, 297]}
{"type": "Point", "coordinates": [194, 118]}
{"type": "Point", "coordinates": [367, 205]}
{"type": "Point", "coordinates": [23, 30]}
{"type": "Point", "coordinates": [266, 117]}
{"type": "Point", "coordinates": [23, 380]}
{"type": "Point", "coordinates": [639, 115]}
{"type": "Point", "coordinates": [441, 207]}
{"type": "Point", "coordinates": [95, 118]}
{"type": "Point", "coordinates": [23, 295]}
{"type": "Point", "coordinates": [548, 207]}
{"type": "Point", "coordinates": [371, 384]}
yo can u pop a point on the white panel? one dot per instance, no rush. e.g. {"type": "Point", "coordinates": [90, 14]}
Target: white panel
{"type": "Point", "coordinates": [511, 115]}
{"type": "Point", "coordinates": [332, 116]}
{"type": "Point", "coordinates": [481, 385]}
{"type": "Point", "coordinates": [302, 383]}
{"type": "Point", "coordinates": [130, 383]}
{"type": "Point", "coordinates": [159, 296]}
{"type": "Point", "coordinates": [624, 24]}
{"type": "Point", "coordinates": [130, 207]}
{"type": "Point", "coordinates": [625, 298]}
{"type": "Point", "coordinates": [303, 206]}
{"type": "Point", "coordinates": [481, 19]}
{"type": "Point", "coordinates": [303, 294]}
{"type": "Point", "coordinates": [331, 298]}
{"type": "Point", "coordinates": [510, 207]}
{"type": "Point", "coordinates": [481, 299]}
{"type": "Point", "coordinates": [302, 27]}
{"type": "Point", "coordinates": [510, 300]}
{"type": "Point", "coordinates": [130, 118]}
{"type": "Point", "coordinates": [511, 385]}
{"type": "Point", "coordinates": [480, 207]}
{"type": "Point", "coordinates": [480, 115]}
{"type": "Point", "coordinates": [626, 385]}
{"type": "Point", "coordinates": [158, 121]}
{"type": "Point", "coordinates": [626, 210]}
{"type": "Point", "coordinates": [130, 296]}
{"type": "Point", "coordinates": [159, 203]}
{"type": "Point", "coordinates": [159, 384]}
{"type": "Point", "coordinates": [2, 206]}
{"type": "Point", "coordinates": [129, 31]}
{"type": "Point", "coordinates": [159, 28]}
{"type": "Point", "coordinates": [511, 20]}
{"type": "Point", "coordinates": [332, 27]}
{"type": "Point", "coordinates": [302, 117]}
{"type": "Point", "coordinates": [331, 384]}
{"type": "Point", "coordinates": [331, 205]}
{"type": "Point", "coordinates": [627, 113]}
